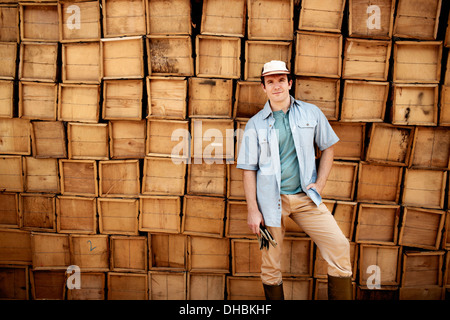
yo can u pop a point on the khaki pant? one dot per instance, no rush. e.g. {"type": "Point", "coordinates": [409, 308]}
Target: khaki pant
{"type": "Point", "coordinates": [321, 227]}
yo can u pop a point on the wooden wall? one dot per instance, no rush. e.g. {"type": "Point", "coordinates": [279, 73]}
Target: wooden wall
{"type": "Point", "coordinates": [119, 128]}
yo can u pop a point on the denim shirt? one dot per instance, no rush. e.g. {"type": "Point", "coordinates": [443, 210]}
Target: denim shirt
{"type": "Point", "coordinates": [259, 151]}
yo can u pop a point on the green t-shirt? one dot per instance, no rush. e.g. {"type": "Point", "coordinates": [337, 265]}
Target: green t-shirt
{"type": "Point", "coordinates": [290, 173]}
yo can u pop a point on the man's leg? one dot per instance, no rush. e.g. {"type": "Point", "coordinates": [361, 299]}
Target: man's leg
{"type": "Point", "coordinates": [320, 225]}
{"type": "Point", "coordinates": [271, 275]}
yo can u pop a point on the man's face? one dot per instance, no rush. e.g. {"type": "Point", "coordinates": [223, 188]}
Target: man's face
{"type": "Point", "coordinates": [277, 87]}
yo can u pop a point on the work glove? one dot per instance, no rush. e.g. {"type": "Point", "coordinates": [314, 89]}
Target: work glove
{"type": "Point", "coordinates": [264, 238]}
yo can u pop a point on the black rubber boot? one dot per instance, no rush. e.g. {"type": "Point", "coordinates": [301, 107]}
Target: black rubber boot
{"type": "Point", "coordinates": [340, 288]}
{"type": "Point", "coordinates": [274, 292]}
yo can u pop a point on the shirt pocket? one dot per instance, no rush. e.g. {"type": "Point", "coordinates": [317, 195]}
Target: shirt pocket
{"type": "Point", "coordinates": [306, 129]}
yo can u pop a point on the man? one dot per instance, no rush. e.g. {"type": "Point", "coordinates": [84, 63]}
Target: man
{"type": "Point", "coordinates": [277, 156]}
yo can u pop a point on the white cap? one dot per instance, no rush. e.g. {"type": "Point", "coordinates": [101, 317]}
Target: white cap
{"type": "Point", "coordinates": [274, 67]}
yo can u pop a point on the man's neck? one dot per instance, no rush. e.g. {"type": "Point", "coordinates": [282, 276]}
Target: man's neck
{"type": "Point", "coordinates": [284, 105]}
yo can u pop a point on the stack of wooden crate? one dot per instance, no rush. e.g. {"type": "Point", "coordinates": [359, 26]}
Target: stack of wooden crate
{"type": "Point", "coordinates": [120, 124]}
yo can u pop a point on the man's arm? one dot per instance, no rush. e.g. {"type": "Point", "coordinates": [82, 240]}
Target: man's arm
{"type": "Point", "coordinates": [254, 217]}
{"type": "Point", "coordinates": [325, 164]}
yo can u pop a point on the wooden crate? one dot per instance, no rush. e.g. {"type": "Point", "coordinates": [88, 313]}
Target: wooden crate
{"type": "Point", "coordinates": [364, 101]}
{"type": "Point", "coordinates": [118, 216]}
{"type": "Point", "coordinates": [207, 179]}
{"type": "Point", "coordinates": [170, 55]}
{"type": "Point", "coordinates": [422, 293]}
{"type": "Point", "coordinates": [9, 218]}
{"type": "Point", "coordinates": [245, 288]}
{"type": "Point", "coordinates": [298, 288]}
{"type": "Point", "coordinates": [208, 255]}
{"type": "Point", "coordinates": [122, 99]}
{"type": "Point", "coordinates": [93, 288]}
{"type": "Point", "coordinates": [422, 269]}
{"type": "Point", "coordinates": [444, 117]}
{"type": "Point", "coordinates": [218, 57]}
{"type": "Point", "coordinates": [224, 18]}
{"type": "Point", "coordinates": [384, 293]}
{"type": "Point", "coordinates": [39, 22]}
{"type": "Point", "coordinates": [37, 212]}
{"type": "Point", "coordinates": [123, 18]}
{"type": "Point", "coordinates": [421, 228]}
{"type": "Point", "coordinates": [322, 92]}
{"type": "Point", "coordinates": [7, 98]}
{"type": "Point", "coordinates": [387, 258]}
{"type": "Point", "coordinates": [8, 51]}
{"type": "Point", "coordinates": [409, 24]}
{"type": "Point", "coordinates": [15, 247]}
{"type": "Point", "coordinates": [37, 101]}
{"type": "Point", "coordinates": [167, 252]}
{"type": "Point", "coordinates": [168, 138]}
{"type": "Point", "coordinates": [378, 183]}
{"type": "Point", "coordinates": [236, 222]}
{"type": "Point", "coordinates": [257, 53]}
{"type": "Point", "coordinates": [415, 104]}
{"type": "Point", "coordinates": [377, 224]}
{"type": "Point", "coordinates": [11, 174]}
{"type": "Point", "coordinates": [119, 178]}
{"type": "Point", "coordinates": [38, 61]}
{"type": "Point", "coordinates": [326, 62]}
{"type": "Point", "coordinates": [76, 215]}
{"type": "Point", "coordinates": [90, 252]}
{"type": "Point", "coordinates": [203, 216]}
{"type": "Point", "coordinates": [16, 134]}
{"type": "Point", "coordinates": [50, 251]}
{"type": "Point", "coordinates": [239, 133]}
{"type": "Point", "coordinates": [88, 141]}
{"type": "Point", "coordinates": [166, 97]}
{"type": "Point", "coordinates": [262, 13]}
{"type": "Point", "coordinates": [351, 140]}
{"type": "Point", "coordinates": [371, 19]}
{"type": "Point", "coordinates": [210, 98]}
{"type": "Point", "coordinates": [79, 21]}
{"type": "Point", "coordinates": [14, 283]}
{"type": "Point", "coordinates": [167, 285]}
{"type": "Point", "coordinates": [322, 16]}
{"type": "Point", "coordinates": [48, 284]}
{"type": "Point", "coordinates": [127, 286]}
{"type": "Point", "coordinates": [424, 188]}
{"type": "Point", "coordinates": [162, 176]}
{"type": "Point", "coordinates": [78, 103]}
{"type": "Point", "coordinates": [127, 139]}
{"type": "Point", "coordinates": [122, 58]}
{"type": "Point", "coordinates": [446, 238]}
{"type": "Point", "coordinates": [417, 62]}
{"type": "Point", "coordinates": [9, 26]}
{"type": "Point", "coordinates": [205, 286]}
{"type": "Point", "coordinates": [128, 254]}
{"type": "Point", "coordinates": [163, 19]}
{"type": "Point", "coordinates": [341, 181]}
{"type": "Point", "coordinates": [235, 185]}
{"type": "Point", "coordinates": [48, 139]}
{"type": "Point", "coordinates": [389, 144]}
{"type": "Point", "coordinates": [81, 62]}
{"type": "Point", "coordinates": [212, 140]}
{"type": "Point", "coordinates": [245, 257]}
{"type": "Point", "coordinates": [430, 148]}
{"type": "Point", "coordinates": [321, 266]}
{"type": "Point", "coordinates": [249, 99]}
{"type": "Point", "coordinates": [299, 261]}
{"type": "Point", "coordinates": [78, 177]}
{"type": "Point", "coordinates": [344, 212]}
{"type": "Point", "coordinates": [366, 59]}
